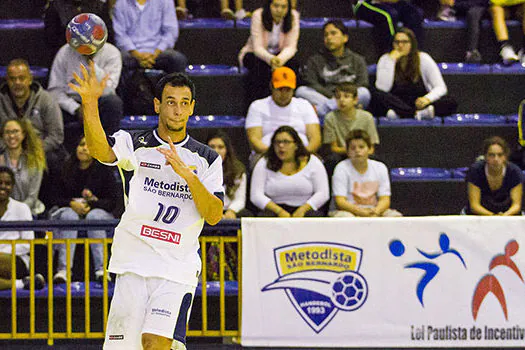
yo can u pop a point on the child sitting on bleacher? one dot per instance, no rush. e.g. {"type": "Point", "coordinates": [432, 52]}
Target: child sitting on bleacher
{"type": "Point", "coordinates": [347, 117]}
{"type": "Point", "coordinates": [361, 186]}
{"type": "Point", "coordinates": [13, 210]}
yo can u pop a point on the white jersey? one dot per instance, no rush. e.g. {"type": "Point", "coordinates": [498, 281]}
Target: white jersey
{"type": "Point", "coordinates": [158, 233]}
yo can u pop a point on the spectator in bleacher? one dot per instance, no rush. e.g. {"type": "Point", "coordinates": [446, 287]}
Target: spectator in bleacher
{"type": "Point", "coordinates": [13, 210]}
{"type": "Point", "coordinates": [146, 32]}
{"type": "Point", "coordinates": [86, 191]}
{"type": "Point", "coordinates": [272, 44]}
{"type": "Point", "coordinates": [22, 97]}
{"type": "Point", "coordinates": [24, 155]}
{"type": "Point", "coordinates": [281, 108]}
{"type": "Point", "coordinates": [361, 186]}
{"type": "Point", "coordinates": [494, 184]}
{"type": "Point", "coordinates": [347, 117]}
{"type": "Point", "coordinates": [234, 176]}
{"type": "Point", "coordinates": [58, 13]}
{"type": "Point", "coordinates": [240, 12]}
{"type": "Point", "coordinates": [385, 16]}
{"type": "Point", "coordinates": [499, 10]}
{"type": "Point", "coordinates": [66, 63]}
{"type": "Point", "coordinates": [473, 10]}
{"type": "Point", "coordinates": [409, 83]}
{"type": "Point", "coordinates": [289, 181]}
{"type": "Point", "coordinates": [181, 10]}
{"type": "Point", "coordinates": [334, 64]}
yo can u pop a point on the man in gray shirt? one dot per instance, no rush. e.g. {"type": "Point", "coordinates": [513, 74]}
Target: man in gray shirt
{"type": "Point", "coordinates": [334, 64]}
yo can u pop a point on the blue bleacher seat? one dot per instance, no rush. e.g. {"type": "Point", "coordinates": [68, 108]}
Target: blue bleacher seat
{"type": "Point", "coordinates": [372, 68]}
{"type": "Point", "coordinates": [134, 122]}
{"type": "Point", "coordinates": [429, 23]}
{"type": "Point", "coordinates": [512, 119]}
{"type": "Point", "coordinates": [419, 174]}
{"type": "Point", "coordinates": [95, 290]}
{"type": "Point", "coordinates": [475, 119]}
{"type": "Point", "coordinates": [464, 68]}
{"type": "Point", "coordinates": [38, 72]}
{"type": "Point", "coordinates": [11, 24]}
{"type": "Point", "coordinates": [459, 173]}
{"type": "Point", "coordinates": [214, 69]}
{"type": "Point", "coordinates": [384, 121]}
{"type": "Point", "coordinates": [515, 68]}
{"type": "Point", "coordinates": [206, 23]}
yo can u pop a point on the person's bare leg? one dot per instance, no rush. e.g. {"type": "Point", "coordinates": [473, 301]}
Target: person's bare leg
{"type": "Point", "coordinates": [498, 23]}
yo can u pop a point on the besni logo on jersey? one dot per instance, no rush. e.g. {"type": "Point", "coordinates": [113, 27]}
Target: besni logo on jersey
{"type": "Point", "coordinates": [320, 278]}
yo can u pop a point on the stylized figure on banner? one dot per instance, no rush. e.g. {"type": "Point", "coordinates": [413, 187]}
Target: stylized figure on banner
{"type": "Point", "coordinates": [431, 269]}
{"type": "Point", "coordinates": [490, 284]}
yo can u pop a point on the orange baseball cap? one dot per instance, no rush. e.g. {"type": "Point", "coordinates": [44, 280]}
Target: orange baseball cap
{"type": "Point", "coordinates": [284, 77]}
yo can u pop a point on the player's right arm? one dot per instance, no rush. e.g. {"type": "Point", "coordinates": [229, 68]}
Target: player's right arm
{"type": "Point", "coordinates": [90, 89]}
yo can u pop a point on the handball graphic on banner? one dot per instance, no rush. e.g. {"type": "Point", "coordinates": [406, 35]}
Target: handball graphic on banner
{"type": "Point", "coordinates": [86, 33]}
{"type": "Point", "coordinates": [320, 279]}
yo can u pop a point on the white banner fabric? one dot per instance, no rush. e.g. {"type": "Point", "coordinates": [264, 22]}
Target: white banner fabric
{"type": "Point", "coordinates": [452, 281]}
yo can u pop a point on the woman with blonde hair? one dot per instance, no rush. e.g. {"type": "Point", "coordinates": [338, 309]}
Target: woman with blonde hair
{"type": "Point", "coordinates": [24, 154]}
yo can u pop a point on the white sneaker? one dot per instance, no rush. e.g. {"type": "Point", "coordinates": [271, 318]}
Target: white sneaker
{"type": "Point", "coordinates": [425, 113]}
{"type": "Point", "coordinates": [60, 277]}
{"type": "Point", "coordinates": [177, 345]}
{"type": "Point", "coordinates": [391, 114]}
{"type": "Point", "coordinates": [99, 276]}
{"type": "Point", "coordinates": [521, 57]}
{"type": "Point", "coordinates": [241, 14]}
{"type": "Point", "coordinates": [508, 55]}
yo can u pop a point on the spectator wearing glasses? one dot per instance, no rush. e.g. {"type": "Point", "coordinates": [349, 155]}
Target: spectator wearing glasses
{"type": "Point", "coordinates": [288, 181]}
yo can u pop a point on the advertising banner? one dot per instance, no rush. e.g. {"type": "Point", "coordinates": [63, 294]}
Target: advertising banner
{"type": "Point", "coordinates": [454, 281]}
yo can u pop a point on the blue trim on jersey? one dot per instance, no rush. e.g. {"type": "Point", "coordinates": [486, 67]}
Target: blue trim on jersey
{"type": "Point", "coordinates": [219, 195]}
{"type": "Point", "coordinates": [202, 150]}
{"type": "Point", "coordinates": [180, 327]}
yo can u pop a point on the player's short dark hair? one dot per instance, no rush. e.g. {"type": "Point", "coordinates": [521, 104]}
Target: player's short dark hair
{"type": "Point", "coordinates": [175, 80]}
{"type": "Point", "coordinates": [7, 170]}
{"type": "Point", "coordinates": [358, 134]}
{"type": "Point", "coordinates": [338, 24]}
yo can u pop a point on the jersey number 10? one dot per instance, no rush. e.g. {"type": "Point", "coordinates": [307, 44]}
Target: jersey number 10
{"type": "Point", "coordinates": [168, 214]}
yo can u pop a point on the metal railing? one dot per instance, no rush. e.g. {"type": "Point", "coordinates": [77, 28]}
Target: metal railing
{"type": "Point", "coordinates": [229, 234]}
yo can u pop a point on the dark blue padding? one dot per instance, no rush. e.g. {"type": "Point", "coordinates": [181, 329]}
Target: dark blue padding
{"type": "Point", "coordinates": [515, 68]}
{"type": "Point", "coordinates": [429, 23]}
{"type": "Point", "coordinates": [475, 119]}
{"type": "Point", "coordinates": [95, 290]}
{"type": "Point", "coordinates": [244, 23]}
{"type": "Point", "coordinates": [384, 121]}
{"type": "Point", "coordinates": [216, 121]}
{"type": "Point", "coordinates": [459, 173]}
{"type": "Point", "coordinates": [352, 23]}
{"type": "Point", "coordinates": [206, 23]}
{"type": "Point", "coordinates": [372, 69]}
{"type": "Point", "coordinates": [38, 72]}
{"type": "Point", "coordinates": [312, 22]}
{"type": "Point", "coordinates": [422, 174]}
{"type": "Point", "coordinates": [134, 122]}
{"type": "Point", "coordinates": [11, 24]}
{"type": "Point", "coordinates": [464, 68]}
{"type": "Point", "coordinates": [214, 70]}
{"type": "Point", "coordinates": [512, 119]}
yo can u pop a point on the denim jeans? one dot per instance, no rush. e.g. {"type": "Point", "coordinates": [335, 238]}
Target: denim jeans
{"type": "Point", "coordinates": [324, 104]}
{"type": "Point", "coordinates": [96, 249]}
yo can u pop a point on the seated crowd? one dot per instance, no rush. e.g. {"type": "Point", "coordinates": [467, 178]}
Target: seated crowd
{"type": "Point", "coordinates": [285, 176]}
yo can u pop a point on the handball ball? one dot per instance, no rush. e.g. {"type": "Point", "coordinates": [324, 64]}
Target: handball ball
{"type": "Point", "coordinates": [86, 33]}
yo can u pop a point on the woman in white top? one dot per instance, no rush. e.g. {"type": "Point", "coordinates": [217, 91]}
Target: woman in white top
{"type": "Point", "coordinates": [234, 176]}
{"type": "Point", "coordinates": [288, 181]}
{"type": "Point", "coordinates": [274, 34]}
{"type": "Point", "coordinates": [409, 83]}
{"type": "Point", "coordinates": [13, 210]}
{"type": "Point", "coordinates": [25, 155]}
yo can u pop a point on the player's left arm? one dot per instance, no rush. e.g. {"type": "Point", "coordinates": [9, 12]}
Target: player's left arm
{"type": "Point", "coordinates": [209, 205]}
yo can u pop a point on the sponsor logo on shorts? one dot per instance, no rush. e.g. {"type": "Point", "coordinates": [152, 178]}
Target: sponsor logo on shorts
{"type": "Point", "coordinates": [150, 165]}
{"type": "Point", "coordinates": [160, 234]}
{"type": "Point", "coordinates": [116, 337]}
{"type": "Point", "coordinates": [161, 312]}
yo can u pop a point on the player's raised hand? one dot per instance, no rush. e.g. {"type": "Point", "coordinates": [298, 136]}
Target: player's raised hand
{"type": "Point", "coordinates": [173, 159]}
{"type": "Point", "coordinates": [88, 86]}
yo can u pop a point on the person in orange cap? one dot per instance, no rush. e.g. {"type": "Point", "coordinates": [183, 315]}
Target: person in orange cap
{"type": "Point", "coordinates": [281, 108]}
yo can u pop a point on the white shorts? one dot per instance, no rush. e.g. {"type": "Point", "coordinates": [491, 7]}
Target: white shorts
{"type": "Point", "coordinates": [147, 305]}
